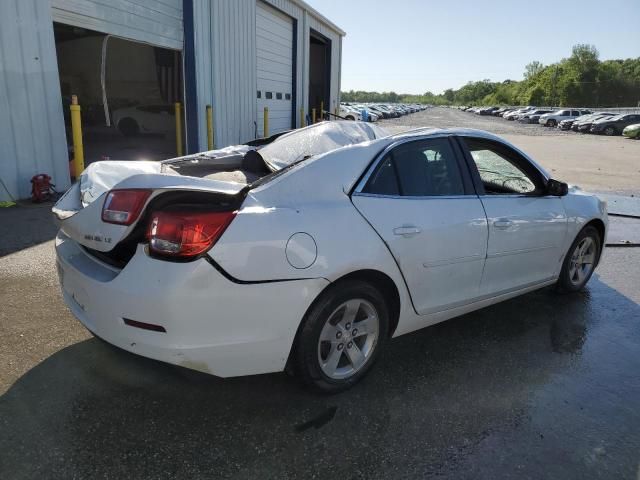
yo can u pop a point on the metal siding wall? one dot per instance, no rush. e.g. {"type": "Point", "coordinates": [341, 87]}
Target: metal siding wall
{"type": "Point", "coordinates": [32, 135]}
{"type": "Point", "coordinates": [204, 68]}
{"type": "Point", "coordinates": [158, 22]}
{"type": "Point", "coordinates": [225, 46]}
{"type": "Point", "coordinates": [296, 12]}
{"type": "Point", "coordinates": [233, 38]}
{"type": "Point", "coordinates": [306, 21]}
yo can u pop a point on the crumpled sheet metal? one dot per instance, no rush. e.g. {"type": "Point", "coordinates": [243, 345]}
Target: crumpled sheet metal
{"type": "Point", "coordinates": [318, 139]}
{"type": "Point", "coordinates": [100, 177]}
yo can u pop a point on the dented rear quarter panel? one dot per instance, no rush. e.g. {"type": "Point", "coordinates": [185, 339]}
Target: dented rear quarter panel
{"type": "Point", "coordinates": [312, 198]}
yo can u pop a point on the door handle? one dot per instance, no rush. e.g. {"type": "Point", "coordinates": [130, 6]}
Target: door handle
{"type": "Point", "coordinates": [406, 231]}
{"type": "Point", "coordinates": [503, 223]}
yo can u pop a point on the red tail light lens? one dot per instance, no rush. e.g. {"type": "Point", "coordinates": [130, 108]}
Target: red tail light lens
{"type": "Point", "coordinates": [123, 207]}
{"type": "Point", "coordinates": [186, 234]}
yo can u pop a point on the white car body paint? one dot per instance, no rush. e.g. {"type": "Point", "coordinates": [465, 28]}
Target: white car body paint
{"type": "Point", "coordinates": [236, 310]}
{"type": "Point", "coordinates": [212, 325]}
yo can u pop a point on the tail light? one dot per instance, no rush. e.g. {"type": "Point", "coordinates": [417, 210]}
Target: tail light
{"type": "Point", "coordinates": [186, 234]}
{"type": "Point", "coordinates": [123, 207]}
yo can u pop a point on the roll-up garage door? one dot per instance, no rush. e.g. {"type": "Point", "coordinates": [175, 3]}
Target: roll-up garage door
{"type": "Point", "coordinates": [148, 21]}
{"type": "Point", "coordinates": [274, 49]}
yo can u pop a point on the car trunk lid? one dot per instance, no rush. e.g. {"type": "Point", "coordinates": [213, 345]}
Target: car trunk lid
{"type": "Point", "coordinates": [79, 211]}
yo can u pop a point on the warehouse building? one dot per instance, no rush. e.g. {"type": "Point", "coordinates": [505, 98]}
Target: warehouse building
{"type": "Point", "coordinates": [129, 61]}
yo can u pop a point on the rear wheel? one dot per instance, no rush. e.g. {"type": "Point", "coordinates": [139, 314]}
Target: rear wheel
{"type": "Point", "coordinates": [341, 336]}
{"type": "Point", "coordinates": [581, 260]}
{"type": "Point", "coordinates": [129, 127]}
{"type": "Point", "coordinates": [349, 117]}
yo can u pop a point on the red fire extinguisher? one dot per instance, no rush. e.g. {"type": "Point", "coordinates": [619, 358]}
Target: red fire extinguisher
{"type": "Point", "coordinates": [41, 188]}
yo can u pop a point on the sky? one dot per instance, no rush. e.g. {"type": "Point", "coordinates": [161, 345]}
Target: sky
{"type": "Point", "coordinates": [414, 46]}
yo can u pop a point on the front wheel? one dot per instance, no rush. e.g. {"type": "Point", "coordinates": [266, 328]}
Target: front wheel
{"type": "Point", "coordinates": [609, 131]}
{"type": "Point", "coordinates": [581, 260]}
{"type": "Point", "coordinates": [341, 336]}
{"type": "Point", "coordinates": [551, 123]}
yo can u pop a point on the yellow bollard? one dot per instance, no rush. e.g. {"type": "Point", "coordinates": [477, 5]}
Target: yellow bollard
{"type": "Point", "coordinates": [302, 117]}
{"type": "Point", "coordinates": [321, 111]}
{"type": "Point", "coordinates": [76, 129]}
{"type": "Point", "coordinates": [210, 143]}
{"type": "Point", "coordinates": [313, 116]}
{"type": "Point", "coordinates": [265, 132]}
{"type": "Point", "coordinates": [178, 112]}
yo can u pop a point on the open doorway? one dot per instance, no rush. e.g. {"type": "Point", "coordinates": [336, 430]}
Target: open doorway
{"type": "Point", "coordinates": [319, 72]}
{"type": "Point", "coordinates": [126, 90]}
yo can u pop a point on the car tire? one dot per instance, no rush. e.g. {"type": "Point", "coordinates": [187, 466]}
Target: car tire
{"type": "Point", "coordinates": [327, 355]}
{"type": "Point", "coordinates": [349, 117]}
{"type": "Point", "coordinates": [128, 127]}
{"type": "Point", "coordinates": [551, 123]}
{"type": "Point", "coordinates": [609, 131]}
{"type": "Point", "coordinates": [580, 260]}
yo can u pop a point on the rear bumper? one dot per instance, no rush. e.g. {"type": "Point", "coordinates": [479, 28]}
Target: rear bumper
{"type": "Point", "coordinates": [212, 324]}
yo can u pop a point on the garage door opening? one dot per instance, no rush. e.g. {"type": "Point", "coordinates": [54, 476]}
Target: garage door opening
{"type": "Point", "coordinates": [275, 69]}
{"type": "Point", "coordinates": [319, 72]}
{"type": "Point", "coordinates": [126, 90]}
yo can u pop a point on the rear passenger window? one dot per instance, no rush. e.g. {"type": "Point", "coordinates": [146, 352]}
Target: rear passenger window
{"type": "Point", "coordinates": [418, 169]}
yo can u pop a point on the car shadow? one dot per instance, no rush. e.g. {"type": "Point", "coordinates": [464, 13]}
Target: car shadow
{"type": "Point", "coordinates": [25, 225]}
{"type": "Point", "coordinates": [92, 410]}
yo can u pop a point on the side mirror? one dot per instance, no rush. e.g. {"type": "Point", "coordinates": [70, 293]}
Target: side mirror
{"type": "Point", "coordinates": [557, 188]}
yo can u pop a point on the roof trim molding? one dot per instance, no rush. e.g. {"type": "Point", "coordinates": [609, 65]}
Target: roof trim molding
{"type": "Point", "coordinates": [305, 6]}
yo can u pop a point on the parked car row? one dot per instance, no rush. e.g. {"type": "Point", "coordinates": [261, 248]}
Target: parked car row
{"type": "Point", "coordinates": [372, 112]}
{"type": "Point", "coordinates": [576, 119]}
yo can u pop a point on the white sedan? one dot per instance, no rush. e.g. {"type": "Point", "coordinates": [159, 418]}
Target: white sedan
{"type": "Point", "coordinates": [312, 251]}
{"type": "Point", "coordinates": [145, 119]}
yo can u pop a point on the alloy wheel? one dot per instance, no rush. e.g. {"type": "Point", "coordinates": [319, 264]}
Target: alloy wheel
{"type": "Point", "coordinates": [582, 261]}
{"type": "Point", "coordinates": [348, 339]}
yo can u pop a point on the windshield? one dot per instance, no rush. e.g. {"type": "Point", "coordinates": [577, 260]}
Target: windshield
{"type": "Point", "coordinates": [315, 140]}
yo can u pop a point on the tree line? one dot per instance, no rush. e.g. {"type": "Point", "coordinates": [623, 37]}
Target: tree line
{"type": "Point", "coordinates": [579, 80]}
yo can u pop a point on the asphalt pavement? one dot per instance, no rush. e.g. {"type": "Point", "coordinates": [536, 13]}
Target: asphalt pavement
{"type": "Point", "coordinates": [544, 386]}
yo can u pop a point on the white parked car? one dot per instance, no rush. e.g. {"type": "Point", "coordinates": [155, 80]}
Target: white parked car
{"type": "Point", "coordinates": [354, 112]}
{"type": "Point", "coordinates": [145, 119]}
{"type": "Point", "coordinates": [338, 238]}
{"type": "Point", "coordinates": [349, 113]}
{"type": "Point", "coordinates": [513, 114]}
{"type": "Point", "coordinates": [552, 119]}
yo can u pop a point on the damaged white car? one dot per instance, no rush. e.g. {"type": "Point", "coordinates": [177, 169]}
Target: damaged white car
{"type": "Point", "coordinates": [312, 250]}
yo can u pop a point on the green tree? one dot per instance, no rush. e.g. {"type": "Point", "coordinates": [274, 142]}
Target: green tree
{"type": "Point", "coordinates": [532, 69]}
{"type": "Point", "coordinates": [579, 80]}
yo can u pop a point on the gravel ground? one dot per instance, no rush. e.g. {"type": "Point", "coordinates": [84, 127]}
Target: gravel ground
{"type": "Point", "coordinates": [595, 163]}
{"type": "Point", "coordinates": [452, 118]}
